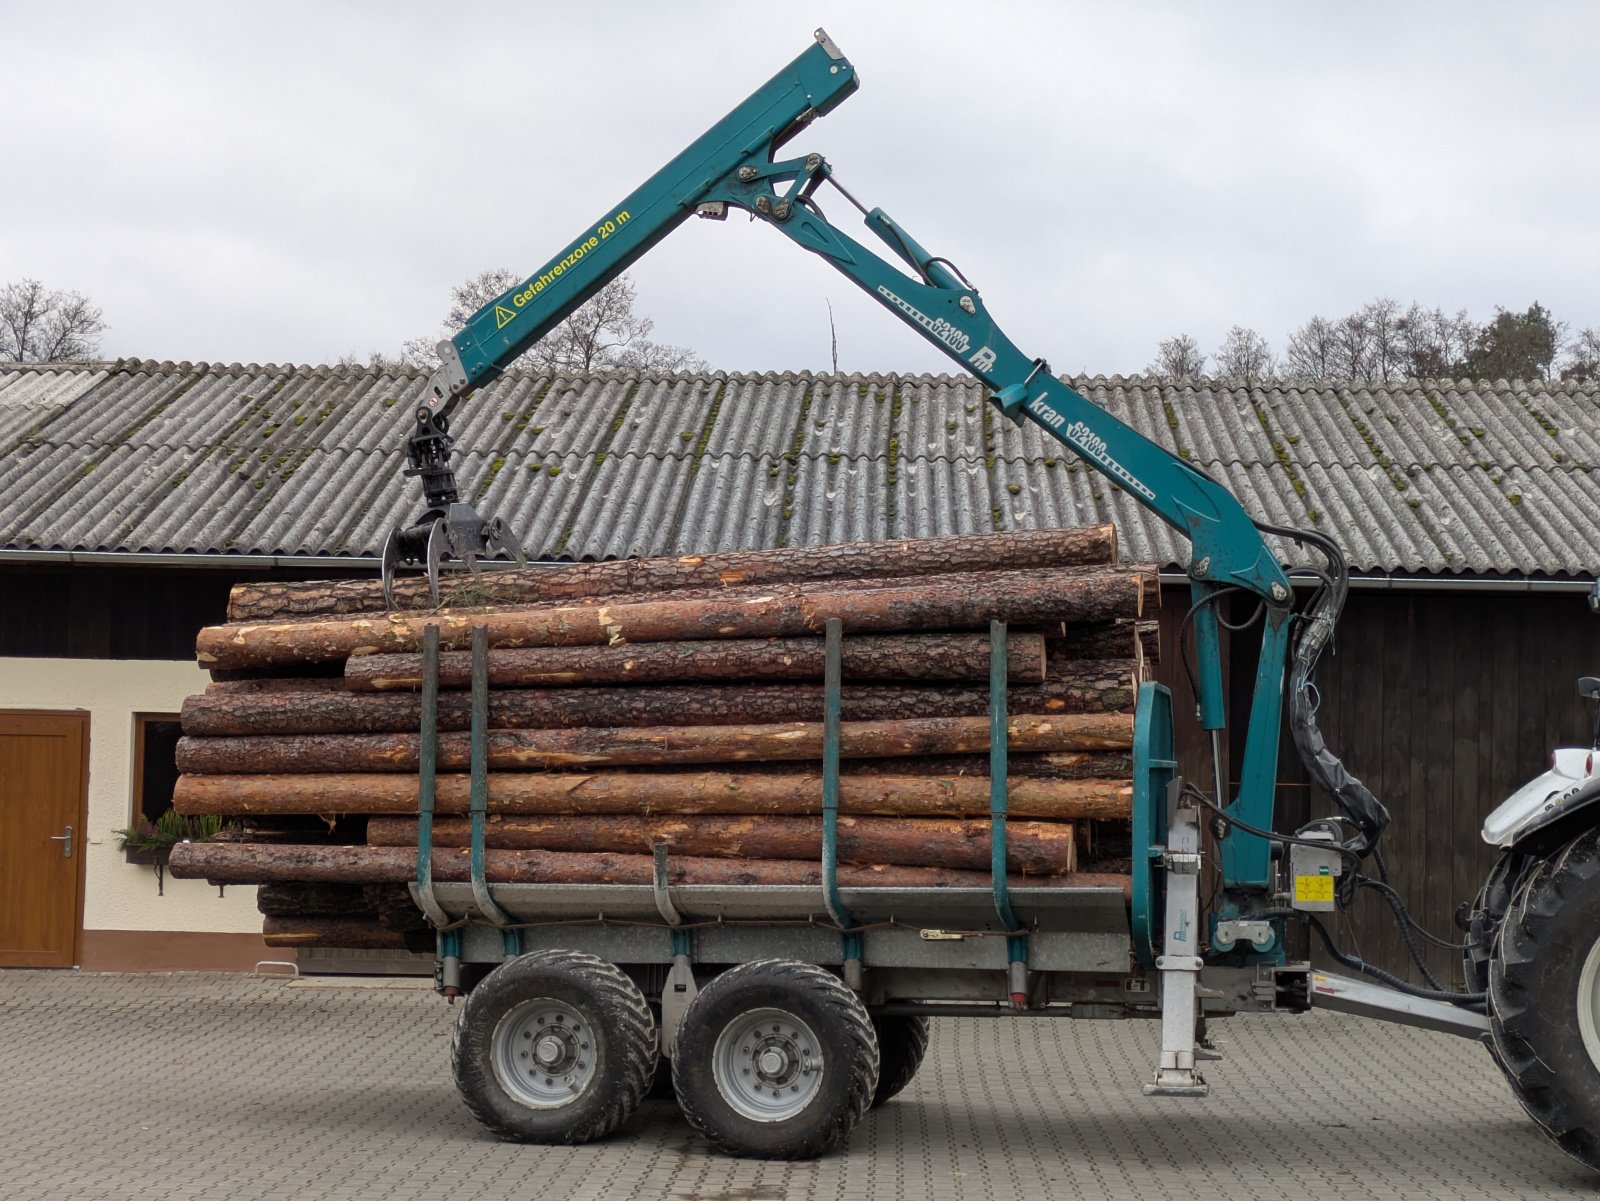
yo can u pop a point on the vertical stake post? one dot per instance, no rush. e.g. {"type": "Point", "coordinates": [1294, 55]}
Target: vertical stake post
{"type": "Point", "coordinates": [832, 686]}
{"type": "Point", "coordinates": [1017, 944]}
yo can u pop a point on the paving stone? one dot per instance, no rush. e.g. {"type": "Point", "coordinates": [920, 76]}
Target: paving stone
{"type": "Point", "coordinates": [225, 1086]}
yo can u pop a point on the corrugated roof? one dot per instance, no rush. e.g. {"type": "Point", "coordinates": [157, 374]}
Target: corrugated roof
{"type": "Point", "coordinates": [1431, 477]}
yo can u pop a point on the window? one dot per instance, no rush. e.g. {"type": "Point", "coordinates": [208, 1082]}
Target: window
{"type": "Point", "coordinates": [155, 770]}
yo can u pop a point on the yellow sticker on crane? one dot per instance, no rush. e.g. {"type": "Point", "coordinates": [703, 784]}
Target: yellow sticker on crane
{"type": "Point", "coordinates": [1310, 889]}
{"type": "Point", "coordinates": [502, 316]}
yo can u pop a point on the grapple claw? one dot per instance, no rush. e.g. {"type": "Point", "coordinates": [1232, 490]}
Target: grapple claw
{"type": "Point", "coordinates": [457, 533]}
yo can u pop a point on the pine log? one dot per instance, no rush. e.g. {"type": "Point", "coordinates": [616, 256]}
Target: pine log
{"type": "Point", "coordinates": [664, 793]}
{"type": "Point", "coordinates": [1107, 640]}
{"type": "Point", "coordinates": [243, 863]}
{"type": "Point", "coordinates": [315, 900]}
{"type": "Point", "coordinates": [889, 657]}
{"type": "Point", "coordinates": [264, 601]}
{"type": "Point", "coordinates": [308, 930]}
{"type": "Point", "coordinates": [1059, 765]}
{"type": "Point", "coordinates": [788, 610]}
{"type": "Point", "coordinates": [1032, 848]}
{"type": "Point", "coordinates": [1086, 686]}
{"type": "Point", "coordinates": [663, 745]}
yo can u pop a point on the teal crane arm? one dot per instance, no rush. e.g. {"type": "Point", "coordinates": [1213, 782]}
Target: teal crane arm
{"type": "Point", "coordinates": [734, 165]}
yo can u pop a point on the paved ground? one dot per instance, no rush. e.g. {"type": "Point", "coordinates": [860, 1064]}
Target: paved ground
{"type": "Point", "coordinates": [210, 1086]}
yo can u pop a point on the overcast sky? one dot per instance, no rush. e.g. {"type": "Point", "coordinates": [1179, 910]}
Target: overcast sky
{"type": "Point", "coordinates": [293, 182]}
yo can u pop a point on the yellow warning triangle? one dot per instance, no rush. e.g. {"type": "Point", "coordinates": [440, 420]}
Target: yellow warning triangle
{"type": "Point", "coordinates": [502, 315]}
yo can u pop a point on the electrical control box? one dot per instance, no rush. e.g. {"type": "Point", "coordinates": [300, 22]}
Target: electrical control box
{"type": "Point", "coordinates": [1313, 873]}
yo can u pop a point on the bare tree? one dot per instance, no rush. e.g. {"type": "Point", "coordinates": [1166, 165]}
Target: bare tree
{"type": "Point", "coordinates": [1434, 344]}
{"type": "Point", "coordinates": [1583, 357]}
{"type": "Point", "coordinates": [1178, 358]}
{"type": "Point", "coordinates": [1244, 354]}
{"type": "Point", "coordinates": [603, 333]}
{"type": "Point", "coordinates": [1314, 351]}
{"type": "Point", "coordinates": [38, 325]}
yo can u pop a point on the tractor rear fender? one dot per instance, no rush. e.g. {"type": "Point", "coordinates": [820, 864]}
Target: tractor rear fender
{"type": "Point", "coordinates": [1569, 786]}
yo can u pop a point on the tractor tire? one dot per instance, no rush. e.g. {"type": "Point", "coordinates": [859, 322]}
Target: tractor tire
{"type": "Point", "coordinates": [1544, 997]}
{"type": "Point", "coordinates": [902, 1042]}
{"type": "Point", "coordinates": [776, 1060]}
{"type": "Point", "coordinates": [554, 1047]}
{"type": "Point", "coordinates": [1483, 919]}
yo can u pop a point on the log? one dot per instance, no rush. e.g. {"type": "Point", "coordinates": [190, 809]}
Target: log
{"type": "Point", "coordinates": [314, 900]}
{"type": "Point", "coordinates": [267, 601]}
{"type": "Point", "coordinates": [1059, 765]}
{"type": "Point", "coordinates": [354, 933]}
{"type": "Point", "coordinates": [1107, 640]}
{"type": "Point", "coordinates": [662, 745]}
{"type": "Point", "coordinates": [663, 793]}
{"type": "Point", "coordinates": [1032, 847]}
{"type": "Point", "coordinates": [944, 602]}
{"type": "Point", "coordinates": [245, 863]}
{"type": "Point", "coordinates": [1087, 686]}
{"type": "Point", "coordinates": [890, 657]}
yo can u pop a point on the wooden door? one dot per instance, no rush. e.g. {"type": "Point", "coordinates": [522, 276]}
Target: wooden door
{"type": "Point", "coordinates": [42, 800]}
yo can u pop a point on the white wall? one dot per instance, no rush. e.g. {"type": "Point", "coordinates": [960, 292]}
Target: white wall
{"type": "Point", "coordinates": [119, 895]}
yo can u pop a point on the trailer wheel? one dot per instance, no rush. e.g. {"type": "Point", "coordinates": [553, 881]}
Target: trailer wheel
{"type": "Point", "coordinates": [902, 1042]}
{"type": "Point", "coordinates": [776, 1060]}
{"type": "Point", "coordinates": [1544, 997]}
{"type": "Point", "coordinates": [554, 1047]}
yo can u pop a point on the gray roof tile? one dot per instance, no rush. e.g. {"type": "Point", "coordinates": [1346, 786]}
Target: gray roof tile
{"type": "Point", "coordinates": [138, 456]}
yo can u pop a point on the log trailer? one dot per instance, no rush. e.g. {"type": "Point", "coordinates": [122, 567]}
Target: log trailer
{"type": "Point", "coordinates": [786, 1011]}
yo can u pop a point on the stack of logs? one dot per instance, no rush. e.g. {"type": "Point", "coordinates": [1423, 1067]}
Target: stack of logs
{"type": "Point", "coordinates": [676, 700]}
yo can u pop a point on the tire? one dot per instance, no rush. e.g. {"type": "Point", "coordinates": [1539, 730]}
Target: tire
{"type": "Point", "coordinates": [902, 1042]}
{"type": "Point", "coordinates": [775, 1060]}
{"type": "Point", "coordinates": [660, 1087]}
{"type": "Point", "coordinates": [1544, 997]}
{"type": "Point", "coordinates": [586, 1016]}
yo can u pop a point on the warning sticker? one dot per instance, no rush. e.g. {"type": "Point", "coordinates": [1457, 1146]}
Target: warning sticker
{"type": "Point", "coordinates": [1311, 889]}
{"type": "Point", "coordinates": [503, 315]}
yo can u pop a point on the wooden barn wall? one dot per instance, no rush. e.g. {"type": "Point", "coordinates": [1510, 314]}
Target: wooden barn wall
{"type": "Point", "coordinates": [114, 612]}
{"type": "Point", "coordinates": [1443, 704]}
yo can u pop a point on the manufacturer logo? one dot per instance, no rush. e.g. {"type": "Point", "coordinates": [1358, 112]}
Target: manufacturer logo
{"type": "Point", "coordinates": [941, 329]}
{"type": "Point", "coordinates": [982, 359]}
{"type": "Point", "coordinates": [1088, 444]}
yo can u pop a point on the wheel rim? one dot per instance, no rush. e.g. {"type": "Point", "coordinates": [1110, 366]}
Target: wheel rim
{"type": "Point", "coordinates": [767, 1065]}
{"type": "Point", "coordinates": [1589, 1004]}
{"type": "Point", "coordinates": [544, 1053]}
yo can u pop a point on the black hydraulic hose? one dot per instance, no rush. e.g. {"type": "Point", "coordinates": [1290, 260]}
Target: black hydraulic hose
{"type": "Point", "coordinates": [1402, 919]}
{"type": "Point", "coordinates": [1467, 1000]}
{"type": "Point", "coordinates": [1324, 767]}
{"type": "Point", "coordinates": [1397, 903]}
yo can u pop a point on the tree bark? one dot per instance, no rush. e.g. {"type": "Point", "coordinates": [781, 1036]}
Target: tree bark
{"type": "Point", "coordinates": [353, 933]}
{"type": "Point", "coordinates": [1087, 686]}
{"type": "Point", "coordinates": [1032, 848]}
{"type": "Point", "coordinates": [663, 745]}
{"type": "Point", "coordinates": [788, 610]}
{"type": "Point", "coordinates": [888, 657]}
{"type": "Point", "coordinates": [315, 900]}
{"type": "Point", "coordinates": [1107, 640]}
{"type": "Point", "coordinates": [244, 863]}
{"type": "Point", "coordinates": [572, 581]}
{"type": "Point", "coordinates": [663, 793]}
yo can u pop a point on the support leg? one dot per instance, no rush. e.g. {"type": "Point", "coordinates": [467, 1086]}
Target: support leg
{"type": "Point", "coordinates": [1179, 963]}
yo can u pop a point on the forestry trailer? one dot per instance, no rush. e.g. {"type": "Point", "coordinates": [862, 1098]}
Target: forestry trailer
{"type": "Point", "coordinates": [786, 1010]}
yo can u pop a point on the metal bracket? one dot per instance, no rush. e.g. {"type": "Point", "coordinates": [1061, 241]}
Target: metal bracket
{"type": "Point", "coordinates": [1258, 932]}
{"type": "Point", "coordinates": [679, 989]}
{"type": "Point", "coordinates": [1179, 965]}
